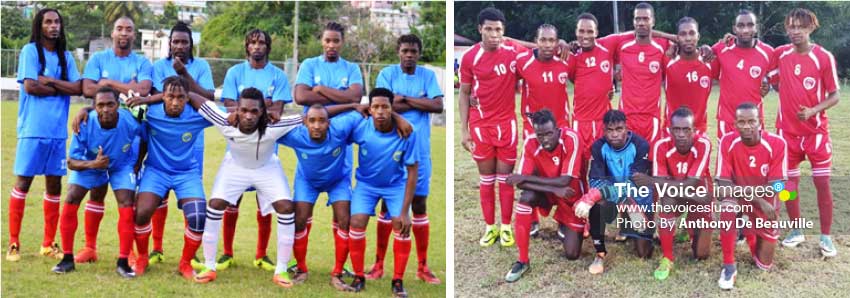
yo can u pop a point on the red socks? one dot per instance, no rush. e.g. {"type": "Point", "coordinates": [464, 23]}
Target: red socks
{"type": "Point", "coordinates": [51, 218]}
{"type": "Point", "coordinates": [666, 231]}
{"type": "Point", "coordinates": [421, 230]}
{"type": "Point", "coordinates": [158, 221]}
{"type": "Point", "coordinates": [357, 245]}
{"type": "Point", "coordinates": [142, 235]}
{"type": "Point", "coordinates": [824, 202]}
{"type": "Point", "coordinates": [191, 242]}
{"type": "Point", "coordinates": [487, 191]}
{"type": "Point", "coordinates": [299, 249]}
{"type": "Point", "coordinates": [728, 238]}
{"type": "Point", "coordinates": [68, 227]}
{"type": "Point", "coordinates": [384, 229]}
{"type": "Point", "coordinates": [94, 214]}
{"type": "Point", "coordinates": [264, 231]}
{"type": "Point", "coordinates": [523, 230]}
{"type": "Point", "coordinates": [17, 203]}
{"type": "Point", "coordinates": [506, 198]}
{"type": "Point", "coordinates": [401, 251]}
{"type": "Point", "coordinates": [341, 245]}
{"type": "Point", "coordinates": [231, 214]}
{"type": "Point", "coordinates": [125, 231]}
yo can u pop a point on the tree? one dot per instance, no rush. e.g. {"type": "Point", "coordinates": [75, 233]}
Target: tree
{"type": "Point", "coordinates": [431, 29]}
{"type": "Point", "coordinates": [136, 10]}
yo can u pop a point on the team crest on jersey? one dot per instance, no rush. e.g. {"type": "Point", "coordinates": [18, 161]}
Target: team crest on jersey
{"type": "Point", "coordinates": [397, 156]}
{"type": "Point", "coordinates": [104, 74]}
{"type": "Point", "coordinates": [421, 93]}
{"type": "Point", "coordinates": [337, 151]}
{"type": "Point", "coordinates": [125, 148]}
{"type": "Point", "coordinates": [47, 71]}
{"type": "Point", "coordinates": [704, 81]}
{"type": "Point", "coordinates": [562, 78]}
{"type": "Point", "coordinates": [344, 81]}
{"type": "Point", "coordinates": [303, 155]}
{"type": "Point", "coordinates": [764, 170]}
{"type": "Point", "coordinates": [605, 66]}
{"type": "Point", "coordinates": [755, 71]}
{"type": "Point", "coordinates": [556, 160]}
{"type": "Point", "coordinates": [241, 87]}
{"type": "Point", "coordinates": [271, 89]}
{"type": "Point", "coordinates": [187, 136]}
{"type": "Point", "coordinates": [363, 151]}
{"type": "Point", "coordinates": [809, 83]}
{"type": "Point", "coordinates": [654, 66]}
{"type": "Point", "coordinates": [317, 79]}
{"type": "Point", "coordinates": [513, 66]}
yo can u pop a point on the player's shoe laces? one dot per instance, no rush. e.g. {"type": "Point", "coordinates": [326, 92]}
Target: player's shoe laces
{"type": "Point", "coordinates": [425, 274]}
{"type": "Point", "coordinates": [51, 251]}
{"type": "Point", "coordinates": [727, 277]}
{"type": "Point", "coordinates": [265, 263]}
{"type": "Point", "coordinates": [358, 284]}
{"type": "Point", "coordinates": [517, 270]}
{"type": "Point", "coordinates": [535, 229]}
{"type": "Point", "coordinates": [598, 265]}
{"type": "Point", "coordinates": [123, 269]}
{"type": "Point", "coordinates": [86, 255]}
{"type": "Point", "coordinates": [14, 253]}
{"type": "Point", "coordinates": [224, 262]}
{"type": "Point", "coordinates": [376, 272]}
{"type": "Point", "coordinates": [339, 284]}
{"type": "Point", "coordinates": [197, 264]}
{"type": "Point", "coordinates": [65, 266]}
{"type": "Point", "coordinates": [156, 257]}
{"type": "Point", "coordinates": [185, 270]}
{"type": "Point", "coordinates": [490, 236]}
{"type": "Point", "coordinates": [282, 280]}
{"type": "Point", "coordinates": [506, 236]}
{"type": "Point", "coordinates": [398, 289]}
{"type": "Point", "coordinates": [205, 276]}
{"type": "Point", "coordinates": [663, 270]}
{"type": "Point", "coordinates": [794, 238]}
{"type": "Point", "coordinates": [827, 248]}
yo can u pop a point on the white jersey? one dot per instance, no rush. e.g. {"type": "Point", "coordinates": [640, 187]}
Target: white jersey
{"type": "Point", "coordinates": [244, 147]}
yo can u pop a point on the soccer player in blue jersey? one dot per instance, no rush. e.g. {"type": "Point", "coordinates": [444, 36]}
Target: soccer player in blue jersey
{"type": "Point", "coordinates": [387, 170]}
{"type": "Point", "coordinates": [616, 158]}
{"type": "Point", "coordinates": [100, 154]}
{"type": "Point", "coordinates": [258, 73]}
{"type": "Point", "coordinates": [416, 94]}
{"type": "Point", "coordinates": [47, 76]}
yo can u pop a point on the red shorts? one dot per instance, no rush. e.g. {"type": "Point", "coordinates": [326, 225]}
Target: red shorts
{"type": "Point", "coordinates": [588, 132]}
{"type": "Point", "coordinates": [816, 148]}
{"type": "Point", "coordinates": [766, 233]}
{"type": "Point", "coordinates": [495, 141]}
{"type": "Point", "coordinates": [646, 126]}
{"type": "Point", "coordinates": [564, 214]}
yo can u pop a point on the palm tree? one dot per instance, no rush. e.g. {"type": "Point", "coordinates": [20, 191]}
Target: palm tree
{"type": "Point", "coordinates": [133, 9]}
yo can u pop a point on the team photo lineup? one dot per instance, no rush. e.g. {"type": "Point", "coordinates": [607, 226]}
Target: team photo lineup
{"type": "Point", "coordinates": [589, 164]}
{"type": "Point", "coordinates": [142, 135]}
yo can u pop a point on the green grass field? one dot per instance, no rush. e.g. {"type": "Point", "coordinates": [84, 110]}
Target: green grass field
{"type": "Point", "coordinates": [31, 277]}
{"type": "Point", "coordinates": [798, 272]}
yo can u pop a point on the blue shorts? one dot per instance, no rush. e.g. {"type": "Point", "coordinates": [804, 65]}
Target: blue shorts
{"type": "Point", "coordinates": [120, 178]}
{"type": "Point", "coordinates": [40, 156]}
{"type": "Point", "coordinates": [366, 197]}
{"type": "Point", "coordinates": [185, 185]}
{"type": "Point", "coordinates": [305, 192]}
{"type": "Point", "coordinates": [423, 180]}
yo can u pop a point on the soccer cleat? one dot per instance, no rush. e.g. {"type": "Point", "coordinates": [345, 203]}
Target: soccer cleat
{"type": "Point", "coordinates": [224, 262]}
{"type": "Point", "coordinates": [282, 280]}
{"type": "Point", "coordinates": [398, 289]}
{"type": "Point", "coordinates": [346, 271]}
{"type": "Point", "coordinates": [299, 277]}
{"type": "Point", "coordinates": [51, 251]}
{"type": "Point", "coordinates": [140, 266]}
{"type": "Point", "coordinates": [86, 255]}
{"type": "Point", "coordinates": [65, 266]}
{"type": "Point", "coordinates": [506, 236]}
{"type": "Point", "coordinates": [198, 265]}
{"type": "Point", "coordinates": [517, 270]}
{"type": "Point", "coordinates": [185, 269]}
{"type": "Point", "coordinates": [205, 276]}
{"type": "Point", "coordinates": [264, 263]}
{"type": "Point", "coordinates": [292, 267]}
{"type": "Point", "coordinates": [490, 236]}
{"type": "Point", "coordinates": [827, 248]}
{"type": "Point", "coordinates": [339, 284]}
{"type": "Point", "coordinates": [376, 272]}
{"type": "Point", "coordinates": [123, 269]}
{"type": "Point", "coordinates": [156, 257]}
{"type": "Point", "coordinates": [664, 268]}
{"type": "Point", "coordinates": [535, 229]}
{"type": "Point", "coordinates": [598, 265]}
{"type": "Point", "coordinates": [794, 238]}
{"type": "Point", "coordinates": [424, 273]}
{"type": "Point", "coordinates": [13, 254]}
{"type": "Point", "coordinates": [727, 280]}
{"type": "Point", "coordinates": [358, 284]}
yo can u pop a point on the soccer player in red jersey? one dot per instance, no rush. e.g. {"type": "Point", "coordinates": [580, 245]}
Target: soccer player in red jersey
{"type": "Point", "coordinates": [688, 77]}
{"type": "Point", "coordinates": [809, 86]}
{"type": "Point", "coordinates": [742, 67]}
{"type": "Point", "coordinates": [544, 77]}
{"type": "Point", "coordinates": [548, 175]}
{"type": "Point", "coordinates": [488, 120]}
{"type": "Point", "coordinates": [749, 158]}
{"type": "Point", "coordinates": [681, 160]}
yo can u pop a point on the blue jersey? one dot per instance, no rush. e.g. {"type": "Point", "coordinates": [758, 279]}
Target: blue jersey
{"type": "Point", "coordinates": [116, 142]}
{"type": "Point", "coordinates": [322, 164]}
{"type": "Point", "coordinates": [270, 80]}
{"type": "Point", "coordinates": [422, 83]}
{"type": "Point", "coordinates": [170, 140]}
{"type": "Point", "coordinates": [609, 165]}
{"type": "Point", "coordinates": [43, 116]}
{"type": "Point", "coordinates": [198, 68]}
{"type": "Point", "coordinates": [339, 75]}
{"type": "Point", "coordinates": [105, 65]}
{"type": "Point", "coordinates": [383, 157]}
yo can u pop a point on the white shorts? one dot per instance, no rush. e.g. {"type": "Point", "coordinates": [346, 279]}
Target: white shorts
{"type": "Point", "coordinates": [269, 180]}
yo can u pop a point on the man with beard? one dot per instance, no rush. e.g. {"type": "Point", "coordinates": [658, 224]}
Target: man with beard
{"type": "Point", "coordinates": [48, 77]}
{"type": "Point", "coordinates": [688, 77]}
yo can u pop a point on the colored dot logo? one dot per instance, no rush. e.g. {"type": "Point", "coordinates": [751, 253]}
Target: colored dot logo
{"type": "Point", "coordinates": [784, 194]}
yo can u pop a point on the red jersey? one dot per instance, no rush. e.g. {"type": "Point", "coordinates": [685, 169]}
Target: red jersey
{"type": "Point", "coordinates": [741, 71]}
{"type": "Point", "coordinates": [544, 86]}
{"type": "Point", "coordinates": [564, 160]}
{"type": "Point", "coordinates": [642, 75]}
{"type": "Point", "coordinates": [752, 166]}
{"type": "Point", "coordinates": [592, 74]}
{"type": "Point", "coordinates": [668, 162]}
{"type": "Point", "coordinates": [688, 83]}
{"type": "Point", "coordinates": [493, 79]}
{"type": "Point", "coordinates": [804, 80]}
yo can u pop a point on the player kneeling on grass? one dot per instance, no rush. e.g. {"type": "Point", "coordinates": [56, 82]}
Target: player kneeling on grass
{"type": "Point", "coordinates": [549, 171]}
{"type": "Point", "coordinates": [101, 154]}
{"type": "Point", "coordinates": [387, 170]}
{"type": "Point", "coordinates": [681, 161]}
{"type": "Point", "coordinates": [616, 158]}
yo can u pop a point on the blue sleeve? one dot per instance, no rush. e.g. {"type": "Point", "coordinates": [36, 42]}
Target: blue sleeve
{"type": "Point", "coordinates": [157, 77]}
{"type": "Point", "coordinates": [230, 89]}
{"type": "Point", "coordinates": [356, 135]}
{"type": "Point", "coordinates": [354, 75]}
{"type": "Point", "coordinates": [411, 155]}
{"type": "Point", "coordinates": [346, 123]}
{"type": "Point", "coordinates": [598, 169]}
{"type": "Point", "coordinates": [205, 79]}
{"type": "Point", "coordinates": [28, 67]}
{"type": "Point", "coordinates": [145, 70]}
{"type": "Point", "coordinates": [78, 147]}
{"type": "Point", "coordinates": [290, 139]}
{"type": "Point", "coordinates": [73, 73]}
{"type": "Point", "coordinates": [384, 79]}
{"type": "Point", "coordinates": [92, 70]}
{"type": "Point", "coordinates": [641, 163]}
{"type": "Point", "coordinates": [432, 87]}
{"type": "Point", "coordinates": [281, 90]}
{"type": "Point", "coordinates": [305, 74]}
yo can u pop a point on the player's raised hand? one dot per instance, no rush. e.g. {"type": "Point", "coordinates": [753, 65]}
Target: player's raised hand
{"type": "Point", "coordinates": [765, 88]}
{"type": "Point", "coordinates": [673, 50]}
{"type": "Point", "coordinates": [101, 161]}
{"type": "Point", "coordinates": [728, 39]}
{"type": "Point", "coordinates": [80, 119]}
{"type": "Point", "coordinates": [362, 109]}
{"type": "Point", "coordinates": [706, 53]}
{"type": "Point", "coordinates": [611, 93]}
{"type": "Point", "coordinates": [233, 119]}
{"type": "Point", "coordinates": [274, 116]}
